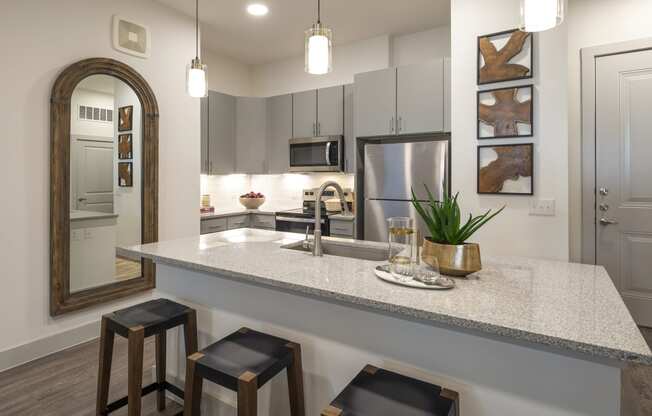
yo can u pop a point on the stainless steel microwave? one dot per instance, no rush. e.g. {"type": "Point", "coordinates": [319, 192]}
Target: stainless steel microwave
{"type": "Point", "coordinates": [317, 154]}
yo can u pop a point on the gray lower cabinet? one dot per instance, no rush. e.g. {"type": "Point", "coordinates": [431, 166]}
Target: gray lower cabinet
{"type": "Point", "coordinates": [251, 135]}
{"type": "Point", "coordinates": [279, 132]}
{"type": "Point", "coordinates": [342, 228]}
{"type": "Point", "coordinates": [219, 140]}
{"type": "Point", "coordinates": [349, 129]}
{"type": "Point", "coordinates": [267, 222]}
{"type": "Point", "coordinates": [420, 97]}
{"type": "Point", "coordinates": [330, 111]}
{"type": "Point", "coordinates": [304, 114]}
{"type": "Point", "coordinates": [237, 221]}
{"type": "Point", "coordinates": [213, 225]}
{"type": "Point", "coordinates": [375, 103]}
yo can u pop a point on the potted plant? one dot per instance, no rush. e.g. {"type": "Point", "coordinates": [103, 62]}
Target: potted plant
{"type": "Point", "coordinates": [447, 246]}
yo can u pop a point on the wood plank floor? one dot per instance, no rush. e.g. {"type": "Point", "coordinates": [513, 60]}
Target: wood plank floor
{"type": "Point", "coordinates": [63, 384]}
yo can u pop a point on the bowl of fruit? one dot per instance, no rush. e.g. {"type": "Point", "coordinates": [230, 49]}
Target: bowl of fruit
{"type": "Point", "coordinates": [252, 200]}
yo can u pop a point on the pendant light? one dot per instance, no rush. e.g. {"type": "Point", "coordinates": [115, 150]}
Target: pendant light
{"type": "Point", "coordinates": [540, 15]}
{"type": "Point", "coordinates": [319, 47]}
{"type": "Point", "coordinates": [196, 71]}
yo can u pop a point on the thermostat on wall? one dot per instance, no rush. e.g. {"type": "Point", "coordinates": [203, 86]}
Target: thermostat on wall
{"type": "Point", "coordinates": [130, 37]}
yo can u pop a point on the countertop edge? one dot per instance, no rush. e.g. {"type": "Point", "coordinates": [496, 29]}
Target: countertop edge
{"type": "Point", "coordinates": [507, 334]}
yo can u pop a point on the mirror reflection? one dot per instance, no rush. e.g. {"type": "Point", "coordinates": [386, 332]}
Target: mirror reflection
{"type": "Point", "coordinates": [105, 182]}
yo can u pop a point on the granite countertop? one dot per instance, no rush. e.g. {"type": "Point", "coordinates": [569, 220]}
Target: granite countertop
{"type": "Point", "coordinates": [565, 307]}
{"type": "Point", "coordinates": [77, 215]}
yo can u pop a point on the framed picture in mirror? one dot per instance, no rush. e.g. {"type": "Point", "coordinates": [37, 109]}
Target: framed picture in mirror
{"type": "Point", "coordinates": [125, 174]}
{"type": "Point", "coordinates": [125, 118]}
{"type": "Point", "coordinates": [125, 146]}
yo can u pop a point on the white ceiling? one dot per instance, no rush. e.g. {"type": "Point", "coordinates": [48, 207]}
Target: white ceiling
{"type": "Point", "coordinates": [228, 29]}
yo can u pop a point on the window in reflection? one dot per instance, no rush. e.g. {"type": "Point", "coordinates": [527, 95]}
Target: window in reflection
{"type": "Point", "coordinates": [105, 182]}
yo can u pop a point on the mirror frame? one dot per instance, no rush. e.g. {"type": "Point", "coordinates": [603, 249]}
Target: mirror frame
{"type": "Point", "coordinates": [61, 300]}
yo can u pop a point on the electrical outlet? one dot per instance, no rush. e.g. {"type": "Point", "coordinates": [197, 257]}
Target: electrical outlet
{"type": "Point", "coordinates": [542, 207]}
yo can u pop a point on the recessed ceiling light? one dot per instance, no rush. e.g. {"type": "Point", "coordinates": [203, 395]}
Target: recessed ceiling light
{"type": "Point", "coordinates": [257, 9]}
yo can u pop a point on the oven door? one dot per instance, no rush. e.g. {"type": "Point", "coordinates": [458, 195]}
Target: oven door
{"type": "Point", "coordinates": [316, 154]}
{"type": "Point", "coordinates": [299, 225]}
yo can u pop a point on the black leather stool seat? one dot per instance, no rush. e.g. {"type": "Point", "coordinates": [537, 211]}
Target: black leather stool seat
{"type": "Point", "coordinates": [154, 316]}
{"type": "Point", "coordinates": [244, 351]}
{"type": "Point", "coordinates": [378, 392]}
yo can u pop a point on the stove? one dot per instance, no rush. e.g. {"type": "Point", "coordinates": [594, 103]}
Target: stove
{"type": "Point", "coordinates": [301, 219]}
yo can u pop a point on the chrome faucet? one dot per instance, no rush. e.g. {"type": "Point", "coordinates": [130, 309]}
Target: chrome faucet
{"type": "Point", "coordinates": [316, 248]}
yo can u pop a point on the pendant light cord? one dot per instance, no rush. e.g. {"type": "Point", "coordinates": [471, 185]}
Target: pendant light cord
{"type": "Point", "coordinates": [197, 29]}
{"type": "Point", "coordinates": [318, 11]}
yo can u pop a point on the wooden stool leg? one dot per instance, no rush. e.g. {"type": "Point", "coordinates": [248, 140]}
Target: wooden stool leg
{"type": "Point", "coordinates": [136, 340]}
{"type": "Point", "coordinates": [160, 340]}
{"type": "Point", "coordinates": [295, 382]}
{"type": "Point", "coordinates": [247, 394]}
{"type": "Point", "coordinates": [190, 333]}
{"type": "Point", "coordinates": [192, 394]}
{"type": "Point", "coordinates": [104, 370]}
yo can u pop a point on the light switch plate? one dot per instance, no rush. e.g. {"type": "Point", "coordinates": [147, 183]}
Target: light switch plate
{"type": "Point", "coordinates": [542, 207]}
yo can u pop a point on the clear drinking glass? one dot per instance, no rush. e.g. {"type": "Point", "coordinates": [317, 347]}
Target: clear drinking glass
{"type": "Point", "coordinates": [401, 242]}
{"type": "Point", "coordinates": [427, 273]}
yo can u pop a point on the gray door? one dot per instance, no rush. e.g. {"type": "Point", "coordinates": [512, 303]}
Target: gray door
{"type": "Point", "coordinates": [393, 170]}
{"type": "Point", "coordinates": [221, 133]}
{"type": "Point", "coordinates": [349, 129]}
{"type": "Point", "coordinates": [279, 129]}
{"type": "Point", "coordinates": [251, 135]}
{"type": "Point", "coordinates": [330, 111]}
{"type": "Point", "coordinates": [624, 176]}
{"type": "Point", "coordinates": [420, 97]}
{"type": "Point", "coordinates": [304, 114]}
{"type": "Point", "coordinates": [94, 176]}
{"type": "Point", "coordinates": [375, 103]}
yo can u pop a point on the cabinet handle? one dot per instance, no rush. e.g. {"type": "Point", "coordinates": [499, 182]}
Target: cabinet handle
{"type": "Point", "coordinates": [400, 124]}
{"type": "Point", "coordinates": [391, 125]}
{"type": "Point", "coordinates": [318, 128]}
{"type": "Point", "coordinates": [314, 129]}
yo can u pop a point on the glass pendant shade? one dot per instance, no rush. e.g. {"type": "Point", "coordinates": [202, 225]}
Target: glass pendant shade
{"type": "Point", "coordinates": [319, 50]}
{"type": "Point", "coordinates": [540, 15]}
{"type": "Point", "coordinates": [196, 85]}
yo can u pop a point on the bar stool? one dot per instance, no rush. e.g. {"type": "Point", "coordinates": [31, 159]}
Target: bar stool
{"type": "Point", "coordinates": [136, 323]}
{"type": "Point", "coordinates": [378, 392]}
{"type": "Point", "coordinates": [243, 362]}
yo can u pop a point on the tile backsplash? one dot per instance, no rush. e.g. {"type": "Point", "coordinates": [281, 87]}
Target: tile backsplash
{"type": "Point", "coordinates": [281, 191]}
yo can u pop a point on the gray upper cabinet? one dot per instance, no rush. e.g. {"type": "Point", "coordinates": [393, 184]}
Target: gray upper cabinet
{"type": "Point", "coordinates": [205, 162]}
{"type": "Point", "coordinates": [375, 103]}
{"type": "Point", "coordinates": [251, 135]}
{"type": "Point", "coordinates": [304, 114]}
{"type": "Point", "coordinates": [279, 131]}
{"type": "Point", "coordinates": [420, 98]}
{"type": "Point", "coordinates": [221, 133]}
{"type": "Point", "coordinates": [447, 95]}
{"type": "Point", "coordinates": [330, 111]}
{"type": "Point", "coordinates": [349, 129]}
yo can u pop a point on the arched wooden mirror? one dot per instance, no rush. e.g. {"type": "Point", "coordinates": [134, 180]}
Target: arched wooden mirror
{"type": "Point", "coordinates": [104, 183]}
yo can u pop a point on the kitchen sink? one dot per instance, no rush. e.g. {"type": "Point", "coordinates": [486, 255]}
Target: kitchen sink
{"type": "Point", "coordinates": [376, 252]}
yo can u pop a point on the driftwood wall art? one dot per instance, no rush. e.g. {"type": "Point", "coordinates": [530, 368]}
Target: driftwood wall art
{"type": "Point", "coordinates": [496, 65]}
{"type": "Point", "coordinates": [505, 114]}
{"type": "Point", "coordinates": [514, 163]}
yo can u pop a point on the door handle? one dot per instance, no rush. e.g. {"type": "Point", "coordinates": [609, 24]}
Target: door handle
{"type": "Point", "coordinates": [607, 221]}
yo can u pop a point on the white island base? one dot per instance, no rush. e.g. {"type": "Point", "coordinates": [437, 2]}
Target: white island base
{"type": "Point", "coordinates": [493, 377]}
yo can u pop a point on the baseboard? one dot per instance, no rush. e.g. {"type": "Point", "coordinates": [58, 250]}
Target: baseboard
{"type": "Point", "coordinates": [45, 346]}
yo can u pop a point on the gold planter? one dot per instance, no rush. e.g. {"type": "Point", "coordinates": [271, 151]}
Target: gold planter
{"type": "Point", "coordinates": [460, 260]}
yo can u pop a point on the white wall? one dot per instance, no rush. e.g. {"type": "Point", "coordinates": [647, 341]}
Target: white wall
{"type": "Point", "coordinates": [52, 36]}
{"type": "Point", "coordinates": [127, 200]}
{"type": "Point", "coordinates": [227, 75]}
{"type": "Point", "coordinates": [288, 75]}
{"type": "Point", "coordinates": [513, 232]}
{"type": "Point", "coordinates": [416, 47]}
{"type": "Point", "coordinates": [594, 23]}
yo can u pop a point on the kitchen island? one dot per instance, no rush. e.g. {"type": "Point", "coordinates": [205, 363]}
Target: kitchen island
{"type": "Point", "coordinates": [523, 336]}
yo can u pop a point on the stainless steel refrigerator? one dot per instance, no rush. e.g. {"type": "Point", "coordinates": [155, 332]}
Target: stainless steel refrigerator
{"type": "Point", "coordinates": [391, 170]}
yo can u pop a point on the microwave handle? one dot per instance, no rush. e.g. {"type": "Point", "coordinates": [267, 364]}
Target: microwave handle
{"type": "Point", "coordinates": [328, 153]}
